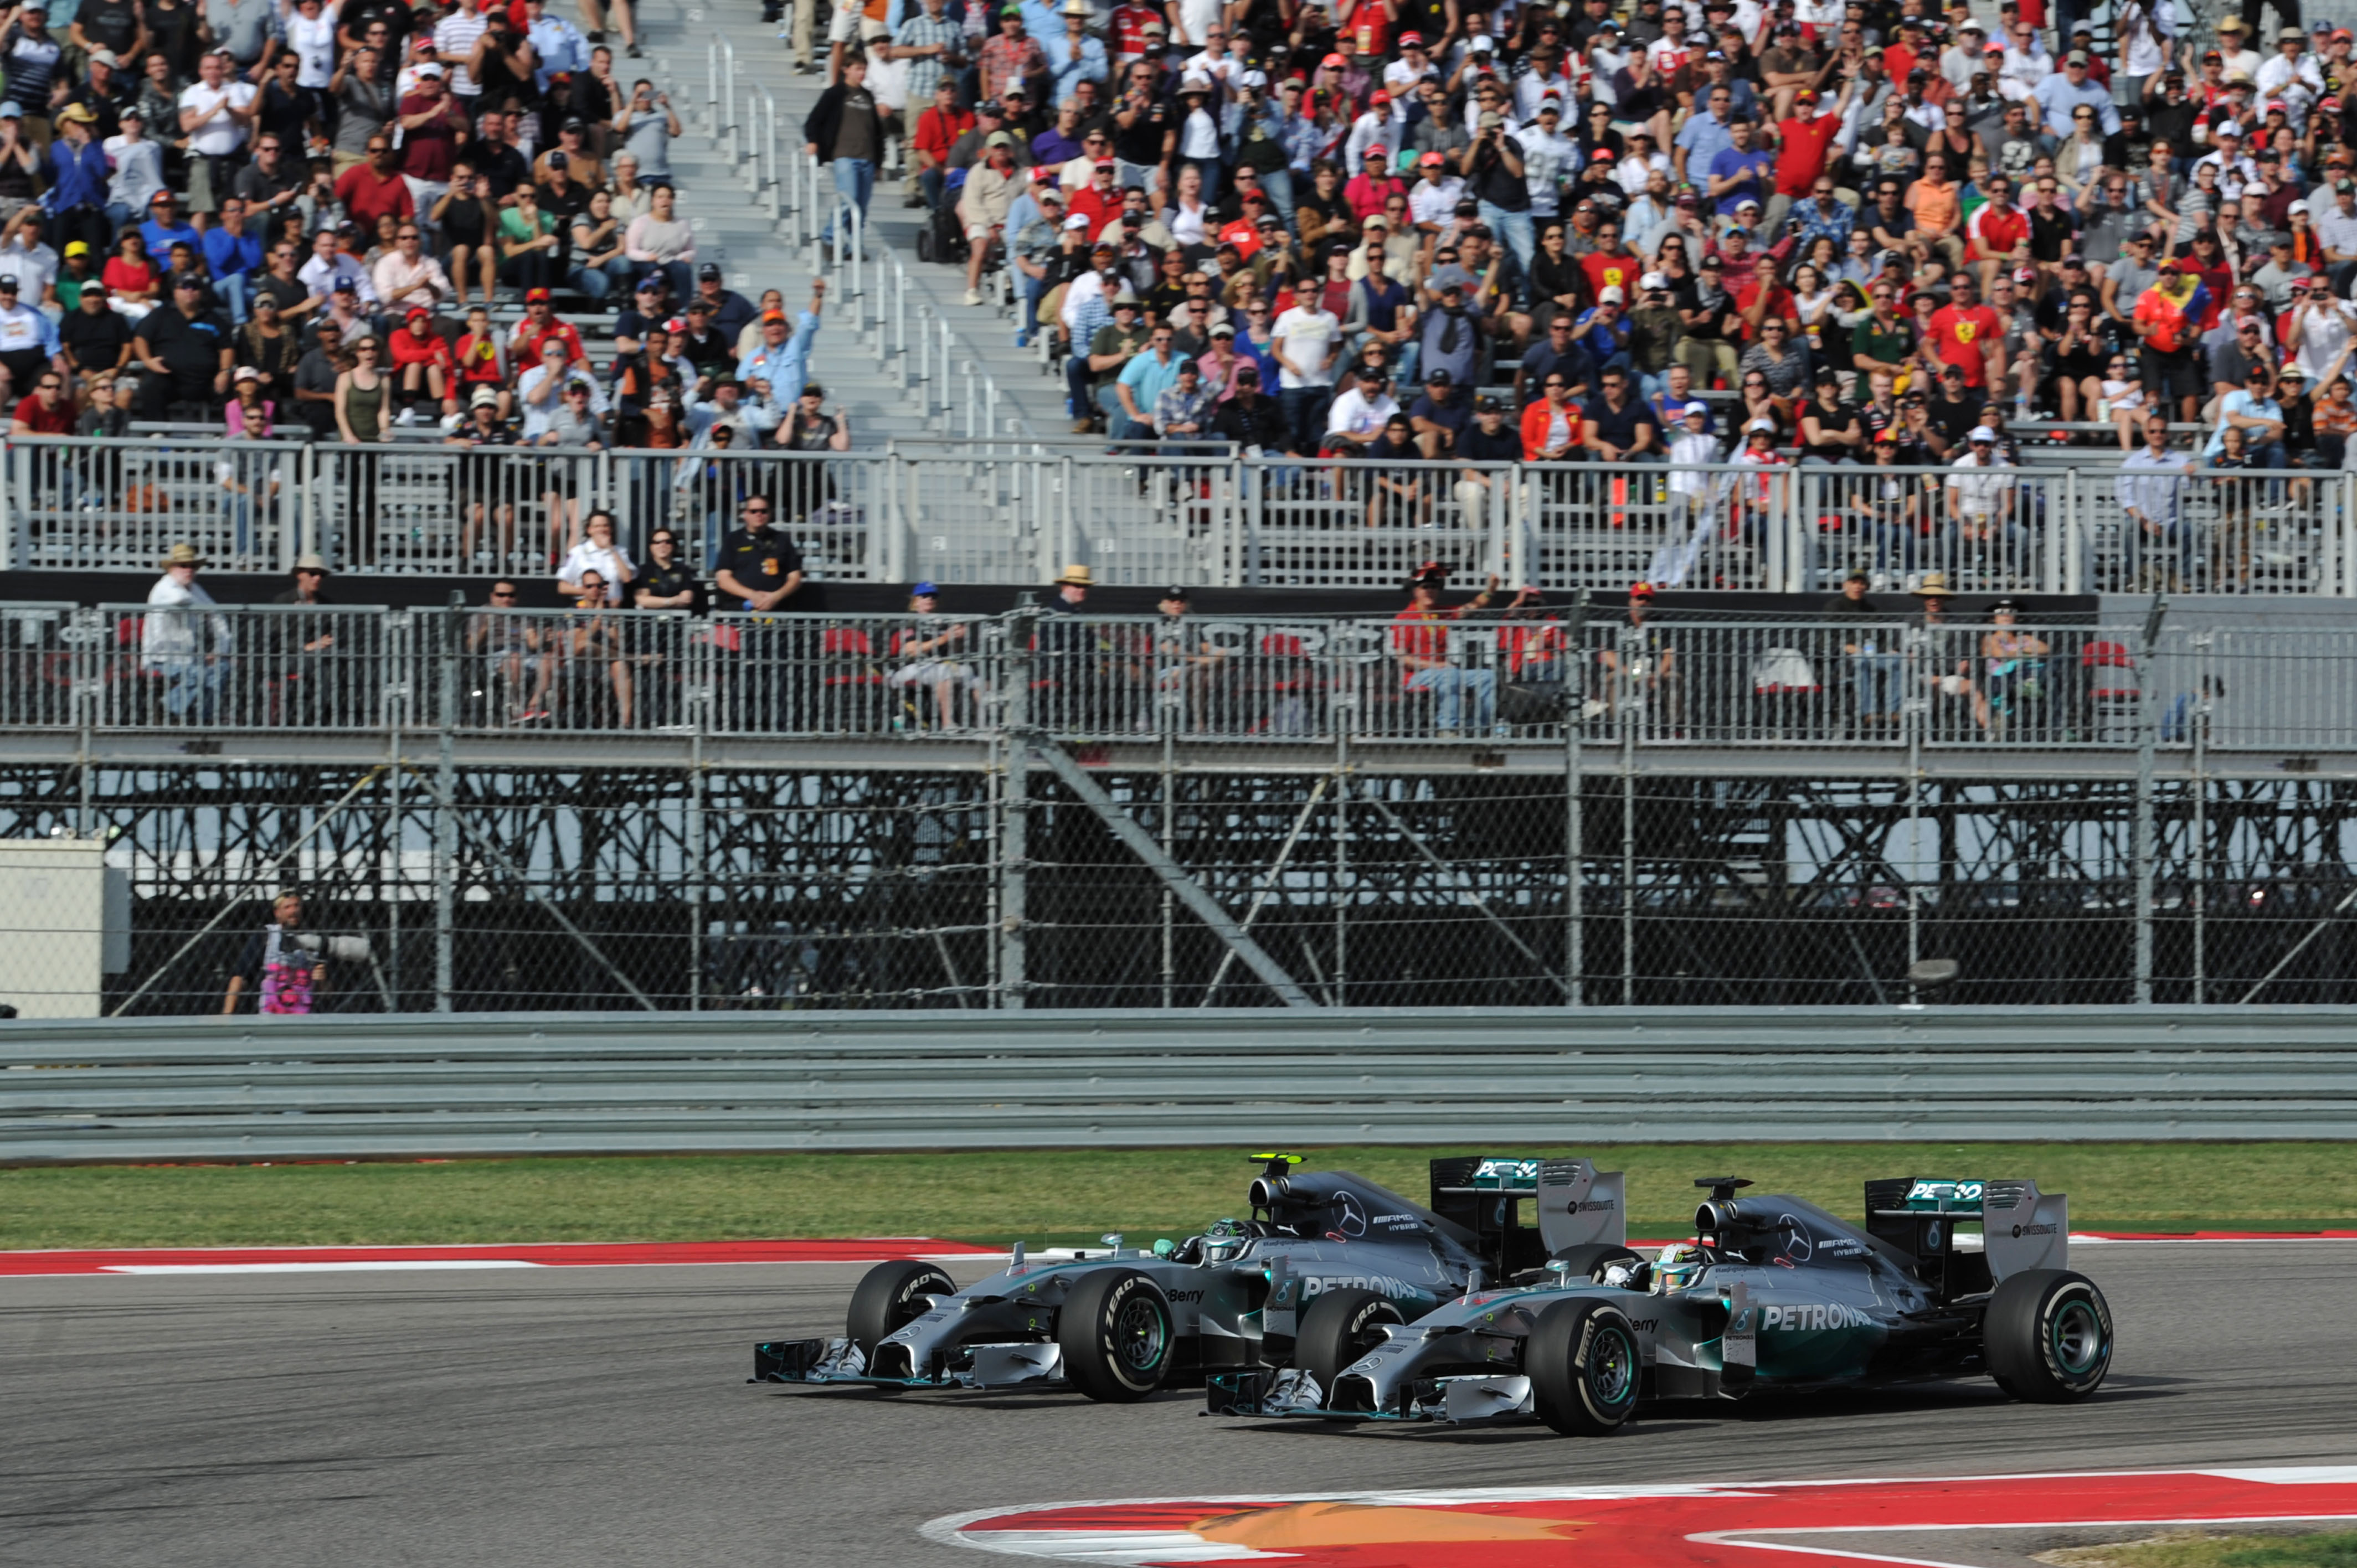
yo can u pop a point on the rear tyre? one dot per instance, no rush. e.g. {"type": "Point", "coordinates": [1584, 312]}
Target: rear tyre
{"type": "Point", "coordinates": [889, 1298]}
{"type": "Point", "coordinates": [1584, 1367]}
{"type": "Point", "coordinates": [2047, 1336]}
{"type": "Point", "coordinates": [1590, 1261]}
{"type": "Point", "coordinates": [1117, 1335]}
{"type": "Point", "coordinates": [1339, 1328]}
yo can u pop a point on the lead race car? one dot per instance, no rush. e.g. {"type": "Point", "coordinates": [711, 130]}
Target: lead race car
{"type": "Point", "coordinates": [1774, 1293]}
{"type": "Point", "coordinates": [1327, 1260]}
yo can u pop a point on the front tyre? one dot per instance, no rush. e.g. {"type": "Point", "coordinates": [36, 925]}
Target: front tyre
{"type": "Point", "coordinates": [1337, 1328]}
{"type": "Point", "coordinates": [1583, 1366]}
{"type": "Point", "coordinates": [2047, 1336]}
{"type": "Point", "coordinates": [890, 1297]}
{"type": "Point", "coordinates": [1117, 1335]}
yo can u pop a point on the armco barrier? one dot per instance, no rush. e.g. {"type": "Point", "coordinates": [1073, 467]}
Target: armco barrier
{"type": "Point", "coordinates": [253, 1089]}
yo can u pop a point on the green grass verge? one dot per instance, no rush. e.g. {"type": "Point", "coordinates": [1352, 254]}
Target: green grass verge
{"type": "Point", "coordinates": [1064, 1196]}
{"type": "Point", "coordinates": [2192, 1549]}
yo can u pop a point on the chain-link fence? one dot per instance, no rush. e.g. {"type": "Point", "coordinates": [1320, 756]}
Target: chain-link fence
{"type": "Point", "coordinates": [1044, 809]}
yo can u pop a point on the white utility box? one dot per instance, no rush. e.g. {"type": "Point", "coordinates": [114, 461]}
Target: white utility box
{"type": "Point", "coordinates": [65, 924]}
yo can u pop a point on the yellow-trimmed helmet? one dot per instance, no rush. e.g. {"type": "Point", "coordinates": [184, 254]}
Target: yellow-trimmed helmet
{"type": "Point", "coordinates": [1680, 1265]}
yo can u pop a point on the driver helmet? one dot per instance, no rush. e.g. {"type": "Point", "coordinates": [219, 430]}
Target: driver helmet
{"type": "Point", "coordinates": [1680, 1265]}
{"type": "Point", "coordinates": [1225, 1241]}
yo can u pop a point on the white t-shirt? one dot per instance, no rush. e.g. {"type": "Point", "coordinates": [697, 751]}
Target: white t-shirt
{"type": "Point", "coordinates": [1196, 20]}
{"type": "Point", "coordinates": [2321, 335]}
{"type": "Point", "coordinates": [608, 563]}
{"type": "Point", "coordinates": [1309, 337]}
{"type": "Point", "coordinates": [217, 136]}
{"type": "Point", "coordinates": [313, 44]}
{"type": "Point", "coordinates": [1354, 413]}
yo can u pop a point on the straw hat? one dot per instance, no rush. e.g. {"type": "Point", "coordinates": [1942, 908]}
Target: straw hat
{"type": "Point", "coordinates": [182, 555]}
{"type": "Point", "coordinates": [312, 561]}
{"type": "Point", "coordinates": [1934, 585]}
{"type": "Point", "coordinates": [1077, 577]}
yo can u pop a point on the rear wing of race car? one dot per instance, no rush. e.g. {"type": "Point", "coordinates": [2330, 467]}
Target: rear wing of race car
{"type": "Point", "coordinates": [2020, 1228]}
{"type": "Point", "coordinates": [1576, 1204]}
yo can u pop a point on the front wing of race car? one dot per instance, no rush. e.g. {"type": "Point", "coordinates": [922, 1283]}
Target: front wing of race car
{"type": "Point", "coordinates": [838, 1360]}
{"type": "Point", "coordinates": [1457, 1401]}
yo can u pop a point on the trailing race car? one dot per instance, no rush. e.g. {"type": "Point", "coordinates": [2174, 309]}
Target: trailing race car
{"type": "Point", "coordinates": [1326, 1262]}
{"type": "Point", "coordinates": [1773, 1294]}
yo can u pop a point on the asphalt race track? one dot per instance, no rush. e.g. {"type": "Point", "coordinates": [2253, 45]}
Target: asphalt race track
{"type": "Point", "coordinates": [599, 1415]}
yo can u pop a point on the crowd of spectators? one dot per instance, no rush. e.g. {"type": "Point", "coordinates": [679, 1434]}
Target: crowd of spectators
{"type": "Point", "coordinates": [1332, 225]}
{"type": "Point", "coordinates": [318, 218]}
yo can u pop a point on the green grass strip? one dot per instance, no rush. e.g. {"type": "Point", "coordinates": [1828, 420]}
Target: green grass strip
{"type": "Point", "coordinates": [1066, 1197]}
{"type": "Point", "coordinates": [2194, 1548]}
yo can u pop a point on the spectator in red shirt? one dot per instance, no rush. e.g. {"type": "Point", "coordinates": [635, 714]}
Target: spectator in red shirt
{"type": "Point", "coordinates": [1761, 296]}
{"type": "Point", "coordinates": [1967, 334]}
{"type": "Point", "coordinates": [938, 129]}
{"type": "Point", "coordinates": [44, 410]}
{"type": "Point", "coordinates": [1099, 201]}
{"type": "Point", "coordinates": [539, 325]}
{"type": "Point", "coordinates": [1371, 187]}
{"type": "Point", "coordinates": [369, 190]}
{"type": "Point", "coordinates": [1802, 142]}
{"type": "Point", "coordinates": [1420, 643]}
{"type": "Point", "coordinates": [1997, 231]}
{"type": "Point", "coordinates": [423, 364]}
{"type": "Point", "coordinates": [1612, 264]}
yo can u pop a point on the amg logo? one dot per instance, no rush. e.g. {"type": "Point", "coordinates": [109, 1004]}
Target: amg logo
{"type": "Point", "coordinates": [1594, 1206]}
{"type": "Point", "coordinates": [1813, 1319]}
{"type": "Point", "coordinates": [1382, 1284]}
{"type": "Point", "coordinates": [1392, 1219]}
{"type": "Point", "coordinates": [2021, 1230]}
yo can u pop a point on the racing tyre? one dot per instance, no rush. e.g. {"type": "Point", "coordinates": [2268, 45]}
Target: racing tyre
{"type": "Point", "coordinates": [2047, 1336]}
{"type": "Point", "coordinates": [1339, 1328]}
{"type": "Point", "coordinates": [1117, 1335]}
{"type": "Point", "coordinates": [1583, 1366]}
{"type": "Point", "coordinates": [889, 1298]}
{"type": "Point", "coordinates": [1590, 1261]}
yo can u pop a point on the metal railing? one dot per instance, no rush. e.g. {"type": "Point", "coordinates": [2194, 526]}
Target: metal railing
{"type": "Point", "coordinates": [488, 1084]}
{"type": "Point", "coordinates": [1546, 676]}
{"type": "Point", "coordinates": [954, 392]}
{"type": "Point", "coordinates": [977, 509]}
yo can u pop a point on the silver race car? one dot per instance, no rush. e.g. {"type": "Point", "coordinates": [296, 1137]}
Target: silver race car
{"type": "Point", "coordinates": [1325, 1265]}
{"type": "Point", "coordinates": [1773, 1293]}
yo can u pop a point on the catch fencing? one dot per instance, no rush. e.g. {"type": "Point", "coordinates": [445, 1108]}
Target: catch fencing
{"type": "Point", "coordinates": [1549, 676]}
{"type": "Point", "coordinates": [290, 1088]}
{"type": "Point", "coordinates": [1002, 512]}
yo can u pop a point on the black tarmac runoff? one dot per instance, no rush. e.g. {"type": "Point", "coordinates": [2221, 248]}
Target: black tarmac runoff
{"type": "Point", "coordinates": [582, 1416]}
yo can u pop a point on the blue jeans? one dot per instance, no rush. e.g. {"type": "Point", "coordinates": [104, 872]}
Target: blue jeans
{"type": "Point", "coordinates": [931, 184]}
{"type": "Point", "coordinates": [235, 289]}
{"type": "Point", "coordinates": [602, 282]}
{"type": "Point", "coordinates": [854, 181]}
{"type": "Point", "coordinates": [1304, 409]}
{"type": "Point", "coordinates": [1450, 687]}
{"type": "Point", "coordinates": [191, 687]}
{"type": "Point", "coordinates": [1520, 236]}
{"type": "Point", "coordinates": [1875, 674]}
{"type": "Point", "coordinates": [1279, 183]}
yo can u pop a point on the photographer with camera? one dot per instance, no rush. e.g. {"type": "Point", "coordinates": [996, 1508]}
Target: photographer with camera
{"type": "Point", "coordinates": [283, 965]}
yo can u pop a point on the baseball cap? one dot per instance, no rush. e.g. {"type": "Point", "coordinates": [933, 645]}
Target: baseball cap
{"type": "Point", "coordinates": [1611, 295]}
{"type": "Point", "coordinates": [924, 591]}
{"type": "Point", "coordinates": [1981, 432]}
{"type": "Point", "coordinates": [416, 311]}
{"type": "Point", "coordinates": [1077, 221]}
{"type": "Point", "coordinates": [1178, 591]}
{"type": "Point", "coordinates": [535, 297]}
{"type": "Point", "coordinates": [1653, 281]}
{"type": "Point", "coordinates": [1694, 408]}
{"type": "Point", "coordinates": [708, 273]}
